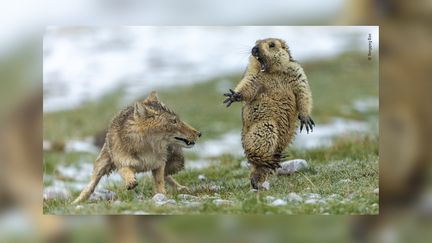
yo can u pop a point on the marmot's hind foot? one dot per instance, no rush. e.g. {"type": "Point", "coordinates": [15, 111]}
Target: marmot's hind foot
{"type": "Point", "coordinates": [279, 157]}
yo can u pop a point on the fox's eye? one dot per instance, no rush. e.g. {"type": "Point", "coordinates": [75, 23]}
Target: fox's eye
{"type": "Point", "coordinates": [271, 45]}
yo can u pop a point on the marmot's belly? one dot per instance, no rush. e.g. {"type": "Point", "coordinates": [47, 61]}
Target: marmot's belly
{"type": "Point", "coordinates": [282, 111]}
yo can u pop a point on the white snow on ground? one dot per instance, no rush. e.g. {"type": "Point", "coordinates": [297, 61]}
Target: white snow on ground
{"type": "Point", "coordinates": [86, 145]}
{"type": "Point", "coordinates": [323, 134]}
{"type": "Point", "coordinates": [229, 143]}
{"type": "Point", "coordinates": [365, 105]}
{"type": "Point", "coordinates": [85, 63]}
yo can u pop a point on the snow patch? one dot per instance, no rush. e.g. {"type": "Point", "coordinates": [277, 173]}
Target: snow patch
{"type": "Point", "coordinates": [323, 134]}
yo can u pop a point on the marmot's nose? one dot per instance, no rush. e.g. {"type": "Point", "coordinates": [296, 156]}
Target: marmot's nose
{"type": "Point", "coordinates": [255, 51]}
{"type": "Point", "coordinates": [199, 134]}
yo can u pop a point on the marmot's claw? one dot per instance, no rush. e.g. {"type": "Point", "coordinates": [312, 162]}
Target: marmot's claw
{"type": "Point", "coordinates": [232, 97]}
{"type": "Point", "coordinates": [307, 122]}
{"type": "Point", "coordinates": [280, 156]}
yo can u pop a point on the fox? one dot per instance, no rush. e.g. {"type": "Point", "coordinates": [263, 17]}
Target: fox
{"type": "Point", "coordinates": [147, 136]}
{"type": "Point", "coordinates": [275, 93]}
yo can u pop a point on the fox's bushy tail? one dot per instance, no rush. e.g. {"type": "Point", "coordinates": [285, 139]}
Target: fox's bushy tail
{"type": "Point", "coordinates": [103, 166]}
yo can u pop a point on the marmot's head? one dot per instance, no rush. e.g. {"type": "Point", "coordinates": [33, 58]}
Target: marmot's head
{"type": "Point", "coordinates": [270, 54]}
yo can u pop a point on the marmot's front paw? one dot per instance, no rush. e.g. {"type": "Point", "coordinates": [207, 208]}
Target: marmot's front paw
{"type": "Point", "coordinates": [307, 122]}
{"type": "Point", "coordinates": [232, 97]}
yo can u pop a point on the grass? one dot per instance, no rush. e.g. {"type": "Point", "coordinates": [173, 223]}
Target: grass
{"type": "Point", "coordinates": [348, 168]}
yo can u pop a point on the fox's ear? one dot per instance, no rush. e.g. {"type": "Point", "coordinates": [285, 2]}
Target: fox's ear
{"type": "Point", "coordinates": [152, 96]}
{"type": "Point", "coordinates": [141, 110]}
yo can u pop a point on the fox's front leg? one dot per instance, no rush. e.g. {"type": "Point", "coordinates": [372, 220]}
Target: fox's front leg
{"type": "Point", "coordinates": [128, 175]}
{"type": "Point", "coordinates": [159, 179]}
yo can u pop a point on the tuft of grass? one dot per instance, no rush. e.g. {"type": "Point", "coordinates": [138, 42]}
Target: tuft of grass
{"type": "Point", "coordinates": [352, 178]}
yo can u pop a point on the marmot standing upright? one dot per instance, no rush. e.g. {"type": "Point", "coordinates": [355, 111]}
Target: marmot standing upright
{"type": "Point", "coordinates": [275, 92]}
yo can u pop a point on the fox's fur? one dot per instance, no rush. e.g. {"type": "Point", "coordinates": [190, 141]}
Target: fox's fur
{"type": "Point", "coordinates": [146, 136]}
{"type": "Point", "coordinates": [275, 93]}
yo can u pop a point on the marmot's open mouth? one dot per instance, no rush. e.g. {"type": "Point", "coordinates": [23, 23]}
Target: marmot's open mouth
{"type": "Point", "coordinates": [187, 142]}
{"type": "Point", "coordinates": [262, 63]}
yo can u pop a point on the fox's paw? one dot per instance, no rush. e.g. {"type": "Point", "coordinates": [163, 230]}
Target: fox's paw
{"type": "Point", "coordinates": [232, 97]}
{"type": "Point", "coordinates": [307, 122]}
{"type": "Point", "coordinates": [183, 189]}
{"type": "Point", "coordinates": [131, 185]}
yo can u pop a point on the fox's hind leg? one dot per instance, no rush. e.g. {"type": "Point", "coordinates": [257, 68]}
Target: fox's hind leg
{"type": "Point", "coordinates": [128, 175]}
{"type": "Point", "coordinates": [103, 166]}
{"type": "Point", "coordinates": [175, 163]}
{"type": "Point", "coordinates": [260, 143]}
{"type": "Point", "coordinates": [172, 182]}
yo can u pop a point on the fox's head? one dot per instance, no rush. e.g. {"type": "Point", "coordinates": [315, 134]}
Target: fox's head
{"type": "Point", "coordinates": [159, 120]}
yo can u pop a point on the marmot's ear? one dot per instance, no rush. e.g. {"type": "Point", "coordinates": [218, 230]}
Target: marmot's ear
{"type": "Point", "coordinates": [141, 110]}
{"type": "Point", "coordinates": [152, 96]}
{"type": "Point", "coordinates": [286, 48]}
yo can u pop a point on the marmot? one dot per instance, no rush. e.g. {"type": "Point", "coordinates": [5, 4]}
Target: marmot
{"type": "Point", "coordinates": [143, 137]}
{"type": "Point", "coordinates": [275, 92]}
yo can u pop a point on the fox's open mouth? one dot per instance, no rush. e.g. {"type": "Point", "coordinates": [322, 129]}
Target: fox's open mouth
{"type": "Point", "coordinates": [187, 142]}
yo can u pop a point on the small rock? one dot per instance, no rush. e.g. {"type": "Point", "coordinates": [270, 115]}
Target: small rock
{"type": "Point", "coordinates": [270, 198]}
{"type": "Point", "coordinates": [311, 201]}
{"type": "Point", "coordinates": [140, 213]}
{"type": "Point", "coordinates": [312, 196]}
{"type": "Point", "coordinates": [376, 191]}
{"type": "Point", "coordinates": [215, 187]}
{"type": "Point", "coordinates": [334, 197]}
{"type": "Point", "coordinates": [245, 164]}
{"type": "Point", "coordinates": [291, 166]}
{"type": "Point", "coordinates": [266, 185]}
{"type": "Point", "coordinates": [220, 202]}
{"type": "Point", "coordinates": [253, 190]}
{"type": "Point", "coordinates": [344, 181]}
{"type": "Point", "coordinates": [293, 197]}
{"type": "Point", "coordinates": [103, 195]}
{"type": "Point", "coordinates": [201, 177]}
{"type": "Point", "coordinates": [187, 197]}
{"type": "Point", "coordinates": [279, 202]}
{"type": "Point", "coordinates": [191, 204]}
{"type": "Point", "coordinates": [159, 197]}
{"type": "Point", "coordinates": [171, 201]}
{"type": "Point", "coordinates": [116, 202]}
{"type": "Point", "coordinates": [79, 207]}
{"type": "Point", "coordinates": [51, 193]}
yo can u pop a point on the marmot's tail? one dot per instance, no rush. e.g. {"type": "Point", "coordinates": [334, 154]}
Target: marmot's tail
{"type": "Point", "coordinates": [103, 166]}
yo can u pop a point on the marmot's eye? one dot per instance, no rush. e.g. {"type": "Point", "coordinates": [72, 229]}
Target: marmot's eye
{"type": "Point", "coordinates": [271, 45]}
{"type": "Point", "coordinates": [174, 121]}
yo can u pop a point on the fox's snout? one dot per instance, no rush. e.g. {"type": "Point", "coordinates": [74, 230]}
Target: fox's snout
{"type": "Point", "coordinates": [191, 133]}
{"type": "Point", "coordinates": [187, 135]}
